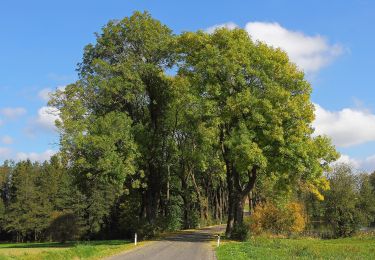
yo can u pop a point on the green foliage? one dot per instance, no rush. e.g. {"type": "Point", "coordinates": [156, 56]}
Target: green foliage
{"type": "Point", "coordinates": [240, 232]}
{"type": "Point", "coordinates": [32, 194]}
{"type": "Point", "coordinates": [106, 151]}
{"type": "Point", "coordinates": [372, 179]}
{"type": "Point", "coordinates": [259, 103]}
{"type": "Point", "coordinates": [27, 214]}
{"type": "Point", "coordinates": [366, 200]}
{"type": "Point", "coordinates": [113, 119]}
{"type": "Point", "coordinates": [342, 202]}
{"type": "Point", "coordinates": [173, 219]}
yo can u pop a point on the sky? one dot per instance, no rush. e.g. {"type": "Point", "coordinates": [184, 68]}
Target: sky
{"type": "Point", "coordinates": [41, 43]}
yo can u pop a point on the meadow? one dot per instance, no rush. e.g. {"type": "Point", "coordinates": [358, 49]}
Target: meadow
{"type": "Point", "coordinates": [56, 251]}
{"type": "Point", "coordinates": [300, 248]}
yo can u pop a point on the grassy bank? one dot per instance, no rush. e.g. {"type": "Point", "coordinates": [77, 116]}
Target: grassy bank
{"type": "Point", "coordinates": [304, 248]}
{"type": "Point", "coordinates": [57, 251]}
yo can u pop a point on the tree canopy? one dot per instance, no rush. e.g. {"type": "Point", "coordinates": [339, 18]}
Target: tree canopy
{"type": "Point", "coordinates": [164, 131]}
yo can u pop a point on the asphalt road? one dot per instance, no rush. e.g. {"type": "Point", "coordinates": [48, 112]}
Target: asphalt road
{"type": "Point", "coordinates": [187, 245]}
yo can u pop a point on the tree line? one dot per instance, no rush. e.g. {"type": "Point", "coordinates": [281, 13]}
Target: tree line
{"type": "Point", "coordinates": [42, 202]}
{"type": "Point", "coordinates": [165, 131]}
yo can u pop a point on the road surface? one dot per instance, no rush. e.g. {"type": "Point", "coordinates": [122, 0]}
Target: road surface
{"type": "Point", "coordinates": [187, 245]}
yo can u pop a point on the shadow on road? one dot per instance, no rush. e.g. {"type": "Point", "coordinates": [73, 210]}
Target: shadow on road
{"type": "Point", "coordinates": [199, 236]}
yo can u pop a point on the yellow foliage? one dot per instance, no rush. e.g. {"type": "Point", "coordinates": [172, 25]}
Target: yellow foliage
{"type": "Point", "coordinates": [316, 186]}
{"type": "Point", "coordinates": [270, 218]}
{"type": "Point", "coordinates": [315, 191]}
{"type": "Point", "coordinates": [297, 214]}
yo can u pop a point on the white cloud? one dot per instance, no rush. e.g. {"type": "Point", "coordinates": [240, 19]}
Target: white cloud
{"type": "Point", "coordinates": [43, 122]}
{"type": "Point", "coordinates": [229, 25]}
{"type": "Point", "coordinates": [4, 152]}
{"type": "Point", "coordinates": [366, 164]}
{"type": "Point", "coordinates": [41, 157]}
{"type": "Point", "coordinates": [348, 160]}
{"type": "Point", "coordinates": [310, 53]}
{"type": "Point", "coordinates": [46, 117]}
{"type": "Point", "coordinates": [13, 112]}
{"type": "Point", "coordinates": [45, 94]}
{"type": "Point", "coordinates": [347, 127]}
{"type": "Point", "coordinates": [6, 139]}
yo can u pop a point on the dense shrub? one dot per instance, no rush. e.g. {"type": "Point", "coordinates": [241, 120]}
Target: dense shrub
{"type": "Point", "coordinates": [288, 219]}
{"type": "Point", "coordinates": [172, 221]}
{"type": "Point", "coordinates": [240, 232]}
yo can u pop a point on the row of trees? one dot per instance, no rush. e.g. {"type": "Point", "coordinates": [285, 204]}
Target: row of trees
{"type": "Point", "coordinates": [47, 202]}
{"type": "Point", "coordinates": [42, 202]}
{"type": "Point", "coordinates": [165, 131]}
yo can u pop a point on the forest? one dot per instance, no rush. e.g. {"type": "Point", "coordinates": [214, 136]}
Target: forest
{"type": "Point", "coordinates": [167, 131]}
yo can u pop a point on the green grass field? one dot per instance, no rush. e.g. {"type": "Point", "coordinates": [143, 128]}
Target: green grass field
{"type": "Point", "coordinates": [57, 251]}
{"type": "Point", "coordinates": [304, 248]}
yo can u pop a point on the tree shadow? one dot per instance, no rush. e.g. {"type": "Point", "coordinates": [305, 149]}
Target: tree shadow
{"type": "Point", "coordinates": [190, 237]}
{"type": "Point", "coordinates": [40, 245]}
{"type": "Point", "coordinates": [67, 244]}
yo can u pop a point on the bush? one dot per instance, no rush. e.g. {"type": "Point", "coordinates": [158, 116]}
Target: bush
{"type": "Point", "coordinates": [172, 221]}
{"type": "Point", "coordinates": [240, 232]}
{"type": "Point", "coordinates": [297, 216]}
{"type": "Point", "coordinates": [278, 220]}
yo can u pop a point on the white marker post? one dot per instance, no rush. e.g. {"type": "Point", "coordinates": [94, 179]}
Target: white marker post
{"type": "Point", "coordinates": [135, 239]}
{"type": "Point", "coordinates": [218, 240]}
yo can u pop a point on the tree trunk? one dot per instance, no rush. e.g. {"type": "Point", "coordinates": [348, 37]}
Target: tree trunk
{"type": "Point", "coordinates": [168, 177]}
{"type": "Point", "coordinates": [199, 196]}
{"type": "Point", "coordinates": [153, 194]}
{"type": "Point", "coordinates": [231, 201]}
{"type": "Point", "coordinates": [186, 201]}
{"type": "Point", "coordinates": [238, 195]}
{"type": "Point", "coordinates": [230, 188]}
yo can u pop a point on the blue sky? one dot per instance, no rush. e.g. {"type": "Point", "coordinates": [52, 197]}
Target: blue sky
{"type": "Point", "coordinates": [41, 42]}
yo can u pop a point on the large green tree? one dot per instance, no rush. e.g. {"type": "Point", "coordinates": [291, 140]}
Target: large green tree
{"type": "Point", "coordinates": [260, 104]}
{"type": "Point", "coordinates": [112, 119]}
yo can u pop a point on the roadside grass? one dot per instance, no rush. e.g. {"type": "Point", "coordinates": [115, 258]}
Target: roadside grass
{"type": "Point", "coordinates": [301, 248]}
{"type": "Point", "coordinates": [70, 250]}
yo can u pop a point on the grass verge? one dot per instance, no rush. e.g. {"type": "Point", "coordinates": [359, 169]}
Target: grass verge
{"type": "Point", "coordinates": [56, 251]}
{"type": "Point", "coordinates": [303, 248]}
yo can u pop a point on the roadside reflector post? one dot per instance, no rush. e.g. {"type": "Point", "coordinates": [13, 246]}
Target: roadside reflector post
{"type": "Point", "coordinates": [135, 239]}
{"type": "Point", "coordinates": [218, 240]}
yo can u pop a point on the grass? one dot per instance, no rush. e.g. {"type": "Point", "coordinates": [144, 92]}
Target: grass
{"type": "Point", "coordinates": [303, 248]}
{"type": "Point", "coordinates": [57, 251]}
